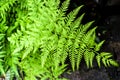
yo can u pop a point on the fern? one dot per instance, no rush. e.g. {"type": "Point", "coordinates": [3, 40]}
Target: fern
{"type": "Point", "coordinates": [33, 34]}
{"type": "Point", "coordinates": [2, 54]}
{"type": "Point", "coordinates": [83, 39]}
{"type": "Point", "coordinates": [89, 49]}
{"type": "Point", "coordinates": [39, 35]}
{"type": "Point", "coordinates": [106, 59]}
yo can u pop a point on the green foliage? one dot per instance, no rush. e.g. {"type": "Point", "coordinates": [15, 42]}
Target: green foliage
{"type": "Point", "coordinates": [2, 54]}
{"type": "Point", "coordinates": [36, 36]}
{"type": "Point", "coordinates": [83, 45]}
{"type": "Point", "coordinates": [106, 59]}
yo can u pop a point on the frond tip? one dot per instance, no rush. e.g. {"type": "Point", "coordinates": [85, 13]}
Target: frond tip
{"type": "Point", "coordinates": [106, 59]}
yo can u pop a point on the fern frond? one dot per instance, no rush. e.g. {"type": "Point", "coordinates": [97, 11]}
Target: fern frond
{"type": "Point", "coordinates": [92, 42]}
{"type": "Point", "coordinates": [79, 57]}
{"type": "Point", "coordinates": [77, 23]}
{"type": "Point", "coordinates": [98, 58]}
{"type": "Point", "coordinates": [88, 57]}
{"type": "Point", "coordinates": [72, 58]}
{"type": "Point", "coordinates": [92, 55]}
{"type": "Point", "coordinates": [88, 36]}
{"type": "Point", "coordinates": [106, 59]}
{"type": "Point", "coordinates": [103, 54]}
{"type": "Point", "coordinates": [71, 16]}
{"type": "Point", "coordinates": [44, 57]}
{"type": "Point", "coordinates": [98, 46]}
{"type": "Point", "coordinates": [64, 6]}
{"type": "Point", "coordinates": [2, 70]}
{"type": "Point", "coordinates": [2, 53]}
{"type": "Point", "coordinates": [5, 5]}
{"type": "Point", "coordinates": [114, 63]}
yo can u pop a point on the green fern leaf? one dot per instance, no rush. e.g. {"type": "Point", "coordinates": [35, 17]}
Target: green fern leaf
{"type": "Point", "coordinates": [77, 23]}
{"type": "Point", "coordinates": [5, 6]}
{"type": "Point", "coordinates": [108, 56]}
{"type": "Point", "coordinates": [88, 36]}
{"type": "Point", "coordinates": [64, 6]}
{"type": "Point", "coordinates": [79, 56]}
{"type": "Point", "coordinates": [108, 63]}
{"type": "Point", "coordinates": [27, 51]}
{"type": "Point", "coordinates": [98, 46]}
{"type": "Point", "coordinates": [104, 61]}
{"type": "Point", "coordinates": [92, 55]}
{"type": "Point", "coordinates": [103, 54]}
{"type": "Point", "coordinates": [72, 59]}
{"type": "Point", "coordinates": [98, 58]}
{"type": "Point", "coordinates": [113, 62]}
{"type": "Point", "coordinates": [72, 15]}
{"type": "Point", "coordinates": [2, 69]}
{"type": "Point", "coordinates": [85, 27]}
{"type": "Point", "coordinates": [2, 54]}
{"type": "Point", "coordinates": [86, 58]}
